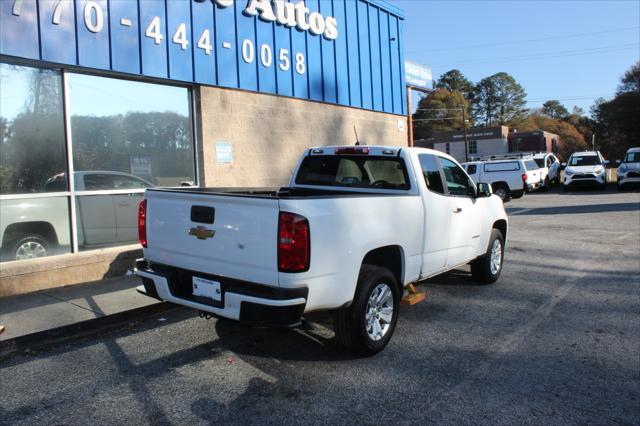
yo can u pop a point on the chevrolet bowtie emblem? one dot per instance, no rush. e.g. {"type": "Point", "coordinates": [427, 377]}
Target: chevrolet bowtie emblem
{"type": "Point", "coordinates": [202, 233]}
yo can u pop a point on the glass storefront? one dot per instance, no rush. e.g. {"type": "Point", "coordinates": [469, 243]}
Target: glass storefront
{"type": "Point", "coordinates": [124, 136]}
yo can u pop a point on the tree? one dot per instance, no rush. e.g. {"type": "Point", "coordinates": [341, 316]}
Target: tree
{"type": "Point", "coordinates": [455, 81]}
{"type": "Point", "coordinates": [555, 109]}
{"type": "Point", "coordinates": [616, 122]}
{"type": "Point", "coordinates": [631, 80]}
{"type": "Point", "coordinates": [439, 111]}
{"type": "Point", "coordinates": [499, 99]}
{"type": "Point", "coordinates": [571, 139]}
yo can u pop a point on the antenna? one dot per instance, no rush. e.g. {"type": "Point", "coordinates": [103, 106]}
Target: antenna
{"type": "Point", "coordinates": [356, 132]}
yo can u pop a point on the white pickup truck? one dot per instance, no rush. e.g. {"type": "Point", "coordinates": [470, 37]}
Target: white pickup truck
{"type": "Point", "coordinates": [510, 178]}
{"type": "Point", "coordinates": [355, 226]}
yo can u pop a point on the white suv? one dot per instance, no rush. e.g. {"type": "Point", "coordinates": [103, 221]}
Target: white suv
{"type": "Point", "coordinates": [585, 168]}
{"type": "Point", "coordinates": [629, 170]}
{"type": "Point", "coordinates": [549, 169]}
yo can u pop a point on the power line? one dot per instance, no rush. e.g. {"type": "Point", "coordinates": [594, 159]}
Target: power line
{"type": "Point", "coordinates": [504, 43]}
{"type": "Point", "coordinates": [544, 55]}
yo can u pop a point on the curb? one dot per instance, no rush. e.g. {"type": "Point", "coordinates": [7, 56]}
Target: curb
{"type": "Point", "coordinates": [80, 329]}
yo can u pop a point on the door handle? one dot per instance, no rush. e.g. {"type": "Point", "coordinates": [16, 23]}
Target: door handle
{"type": "Point", "coordinates": [457, 210]}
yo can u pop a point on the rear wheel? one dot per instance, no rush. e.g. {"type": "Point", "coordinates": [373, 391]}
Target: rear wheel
{"type": "Point", "coordinates": [503, 192]}
{"type": "Point", "coordinates": [29, 247]}
{"type": "Point", "coordinates": [367, 325]}
{"type": "Point", "coordinates": [486, 269]}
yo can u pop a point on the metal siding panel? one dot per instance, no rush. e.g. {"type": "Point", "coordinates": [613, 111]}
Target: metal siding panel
{"type": "Point", "coordinates": [93, 47]}
{"type": "Point", "coordinates": [385, 62]}
{"type": "Point", "coordinates": [125, 33]}
{"type": "Point", "coordinates": [328, 59]}
{"type": "Point", "coordinates": [154, 56]}
{"type": "Point", "coordinates": [395, 65]}
{"type": "Point", "coordinates": [342, 60]}
{"type": "Point", "coordinates": [204, 70]}
{"type": "Point", "coordinates": [284, 77]}
{"type": "Point", "coordinates": [365, 54]}
{"type": "Point", "coordinates": [19, 33]}
{"type": "Point", "coordinates": [246, 30]}
{"type": "Point", "coordinates": [403, 85]}
{"type": "Point", "coordinates": [58, 39]}
{"type": "Point", "coordinates": [266, 74]}
{"type": "Point", "coordinates": [180, 60]}
{"type": "Point", "coordinates": [353, 52]}
{"type": "Point", "coordinates": [314, 59]}
{"type": "Point", "coordinates": [376, 78]}
{"type": "Point", "coordinates": [300, 80]}
{"type": "Point", "coordinates": [227, 63]}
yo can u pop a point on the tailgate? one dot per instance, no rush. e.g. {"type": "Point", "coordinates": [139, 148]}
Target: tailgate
{"type": "Point", "coordinates": [243, 245]}
{"type": "Point", "coordinates": [533, 176]}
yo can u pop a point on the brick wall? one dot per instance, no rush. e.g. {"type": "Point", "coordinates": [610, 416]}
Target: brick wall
{"type": "Point", "coordinates": [268, 134]}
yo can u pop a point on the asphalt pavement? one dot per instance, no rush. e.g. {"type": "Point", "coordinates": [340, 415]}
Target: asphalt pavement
{"type": "Point", "coordinates": [555, 341]}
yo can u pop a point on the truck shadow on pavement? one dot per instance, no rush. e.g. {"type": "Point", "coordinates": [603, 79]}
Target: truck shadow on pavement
{"type": "Point", "coordinates": [581, 209]}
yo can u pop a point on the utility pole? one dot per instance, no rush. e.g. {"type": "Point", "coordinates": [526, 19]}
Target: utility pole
{"type": "Point", "coordinates": [466, 142]}
{"type": "Point", "coordinates": [593, 141]}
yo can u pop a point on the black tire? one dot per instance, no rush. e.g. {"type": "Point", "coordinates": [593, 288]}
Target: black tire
{"type": "Point", "coordinates": [481, 270]}
{"type": "Point", "coordinates": [566, 188]}
{"type": "Point", "coordinates": [39, 244]}
{"type": "Point", "coordinates": [502, 191]}
{"type": "Point", "coordinates": [350, 323]}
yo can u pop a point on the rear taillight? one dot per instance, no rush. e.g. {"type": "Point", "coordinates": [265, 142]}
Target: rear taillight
{"type": "Point", "coordinates": [524, 177]}
{"type": "Point", "coordinates": [294, 249]}
{"type": "Point", "coordinates": [142, 223]}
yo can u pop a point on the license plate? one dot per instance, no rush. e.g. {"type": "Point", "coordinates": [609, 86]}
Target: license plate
{"type": "Point", "coordinates": [206, 288]}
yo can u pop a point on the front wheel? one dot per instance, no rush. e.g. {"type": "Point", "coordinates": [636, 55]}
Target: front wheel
{"type": "Point", "coordinates": [486, 269]}
{"type": "Point", "coordinates": [367, 325]}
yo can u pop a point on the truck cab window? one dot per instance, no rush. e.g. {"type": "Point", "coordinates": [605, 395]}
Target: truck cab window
{"type": "Point", "coordinates": [431, 173]}
{"type": "Point", "coordinates": [457, 181]}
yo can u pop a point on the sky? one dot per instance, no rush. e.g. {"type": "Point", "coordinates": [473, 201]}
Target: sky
{"type": "Point", "coordinates": [573, 51]}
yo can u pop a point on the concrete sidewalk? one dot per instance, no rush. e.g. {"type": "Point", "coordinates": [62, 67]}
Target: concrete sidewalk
{"type": "Point", "coordinates": [47, 316]}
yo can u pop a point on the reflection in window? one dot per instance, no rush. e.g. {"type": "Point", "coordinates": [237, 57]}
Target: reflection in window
{"type": "Point", "coordinates": [142, 130]}
{"type": "Point", "coordinates": [34, 227]}
{"type": "Point", "coordinates": [107, 220]}
{"type": "Point", "coordinates": [32, 139]}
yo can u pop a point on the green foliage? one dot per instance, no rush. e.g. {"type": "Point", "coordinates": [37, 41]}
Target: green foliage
{"type": "Point", "coordinates": [631, 80]}
{"type": "Point", "coordinates": [499, 100]}
{"type": "Point", "coordinates": [555, 109]}
{"type": "Point", "coordinates": [455, 81]}
{"type": "Point", "coordinates": [441, 111]}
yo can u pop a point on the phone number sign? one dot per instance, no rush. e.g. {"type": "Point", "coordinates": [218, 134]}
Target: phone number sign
{"type": "Point", "coordinates": [304, 48]}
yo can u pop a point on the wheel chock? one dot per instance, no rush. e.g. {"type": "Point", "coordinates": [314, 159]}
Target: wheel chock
{"type": "Point", "coordinates": [413, 297]}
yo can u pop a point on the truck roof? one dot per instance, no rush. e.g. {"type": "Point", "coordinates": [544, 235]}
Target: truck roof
{"type": "Point", "coordinates": [372, 150]}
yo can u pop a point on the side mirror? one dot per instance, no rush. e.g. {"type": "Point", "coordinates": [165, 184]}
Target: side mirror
{"type": "Point", "coordinates": [484, 190]}
{"type": "Point", "coordinates": [606, 163]}
{"type": "Point", "coordinates": [618, 162]}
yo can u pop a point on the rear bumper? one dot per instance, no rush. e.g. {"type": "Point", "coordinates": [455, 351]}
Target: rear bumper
{"type": "Point", "coordinates": [242, 301]}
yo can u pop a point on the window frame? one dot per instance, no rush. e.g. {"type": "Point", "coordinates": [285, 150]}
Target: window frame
{"type": "Point", "coordinates": [71, 193]}
{"type": "Point", "coordinates": [443, 181]}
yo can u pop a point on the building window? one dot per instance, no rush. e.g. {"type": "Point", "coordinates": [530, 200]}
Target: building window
{"type": "Point", "coordinates": [447, 148]}
{"type": "Point", "coordinates": [125, 136]}
{"type": "Point", "coordinates": [473, 147]}
{"type": "Point", "coordinates": [34, 214]}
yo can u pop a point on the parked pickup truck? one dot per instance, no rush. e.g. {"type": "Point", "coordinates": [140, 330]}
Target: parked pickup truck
{"type": "Point", "coordinates": [355, 226]}
{"type": "Point", "coordinates": [509, 178]}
